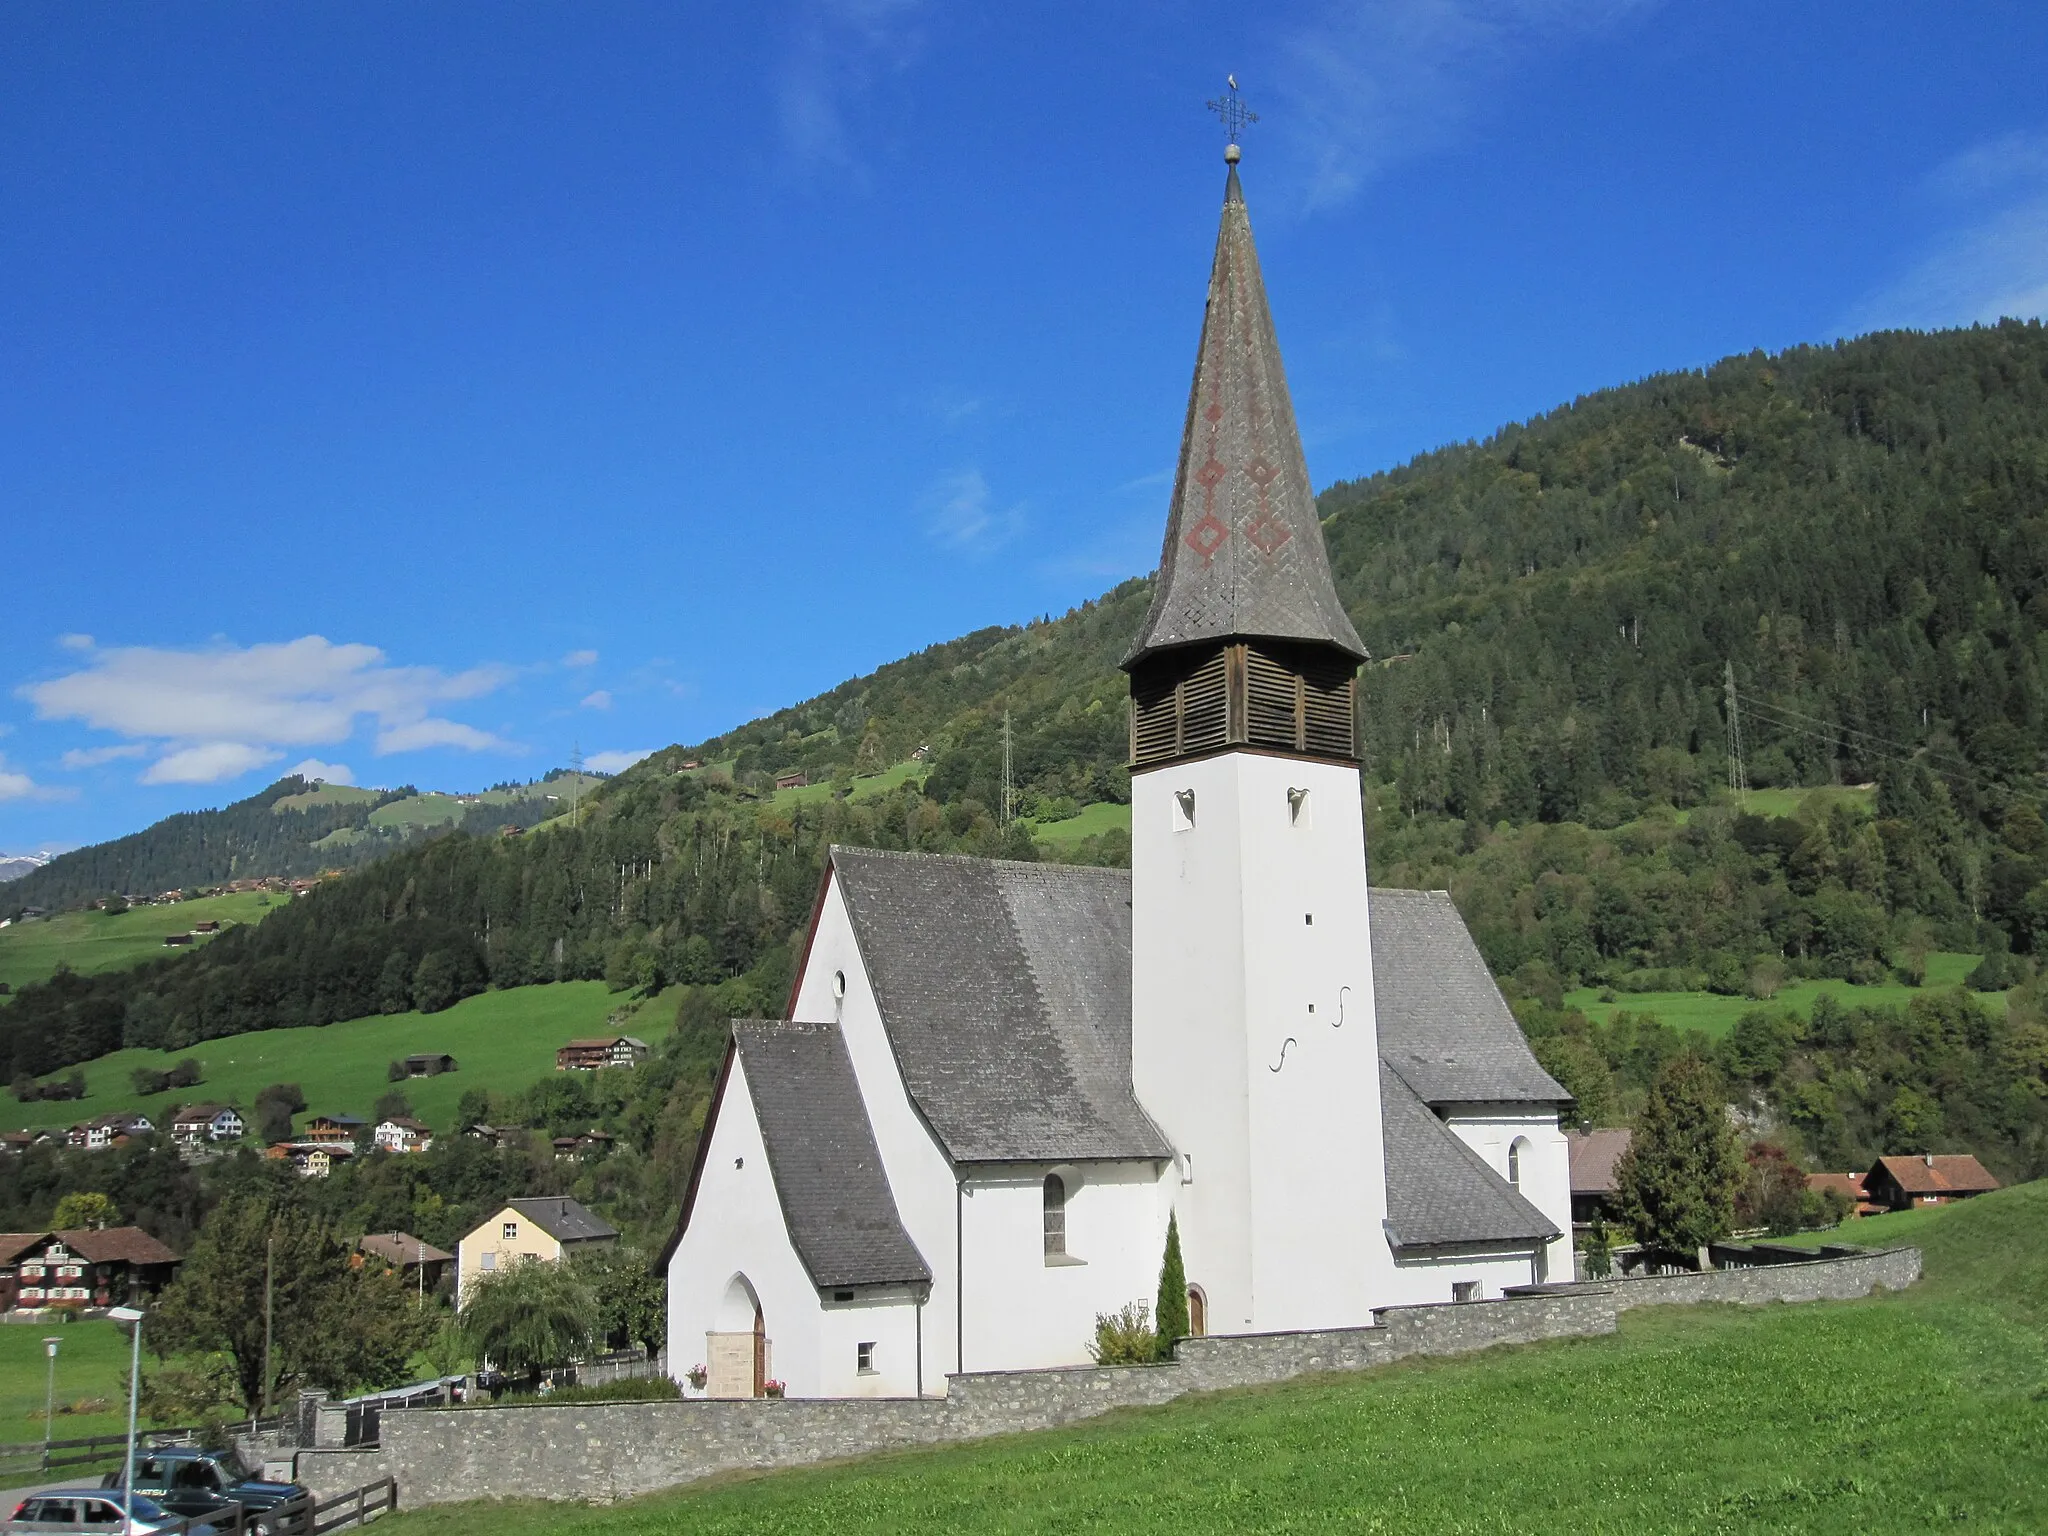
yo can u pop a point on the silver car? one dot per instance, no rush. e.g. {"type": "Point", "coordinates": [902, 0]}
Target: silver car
{"type": "Point", "coordinates": [81, 1511]}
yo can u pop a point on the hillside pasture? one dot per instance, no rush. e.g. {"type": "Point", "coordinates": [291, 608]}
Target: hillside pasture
{"type": "Point", "coordinates": [1890, 1415]}
{"type": "Point", "coordinates": [502, 1041]}
{"type": "Point", "coordinates": [1094, 820]}
{"type": "Point", "coordinates": [89, 941]}
{"type": "Point", "coordinates": [1715, 1015]}
{"type": "Point", "coordinates": [92, 1373]}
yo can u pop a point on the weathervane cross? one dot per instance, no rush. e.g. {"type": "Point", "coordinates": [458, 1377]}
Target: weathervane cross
{"type": "Point", "coordinates": [1231, 109]}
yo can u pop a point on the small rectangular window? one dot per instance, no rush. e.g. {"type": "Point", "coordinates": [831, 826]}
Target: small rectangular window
{"type": "Point", "coordinates": [509, 1231]}
{"type": "Point", "coordinates": [490, 1261]}
{"type": "Point", "coordinates": [864, 1358]}
{"type": "Point", "coordinates": [1464, 1290]}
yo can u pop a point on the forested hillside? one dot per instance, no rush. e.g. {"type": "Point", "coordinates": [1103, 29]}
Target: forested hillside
{"type": "Point", "coordinates": [1859, 531]}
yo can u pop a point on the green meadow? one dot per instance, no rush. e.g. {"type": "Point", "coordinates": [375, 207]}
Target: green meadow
{"type": "Point", "coordinates": [92, 1380]}
{"type": "Point", "coordinates": [94, 941]}
{"type": "Point", "coordinates": [1890, 1415]}
{"type": "Point", "coordinates": [1716, 1015]}
{"type": "Point", "coordinates": [1094, 820]}
{"type": "Point", "coordinates": [500, 1040]}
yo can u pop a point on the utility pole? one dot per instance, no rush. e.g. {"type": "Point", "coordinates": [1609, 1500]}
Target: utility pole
{"type": "Point", "coordinates": [576, 784]}
{"type": "Point", "coordinates": [269, 1274]}
{"type": "Point", "coordinates": [1008, 793]}
{"type": "Point", "coordinates": [1738, 777]}
{"type": "Point", "coordinates": [50, 1397]}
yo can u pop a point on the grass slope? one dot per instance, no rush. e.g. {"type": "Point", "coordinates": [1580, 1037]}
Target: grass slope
{"type": "Point", "coordinates": [501, 1041]}
{"type": "Point", "coordinates": [1716, 1015]}
{"type": "Point", "coordinates": [93, 941]}
{"type": "Point", "coordinates": [92, 1367]}
{"type": "Point", "coordinates": [1895, 1414]}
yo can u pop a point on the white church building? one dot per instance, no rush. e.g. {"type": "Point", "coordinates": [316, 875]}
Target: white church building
{"type": "Point", "coordinates": [998, 1080]}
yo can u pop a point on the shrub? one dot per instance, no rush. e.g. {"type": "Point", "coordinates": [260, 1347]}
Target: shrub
{"type": "Point", "coordinates": [1996, 972]}
{"type": "Point", "coordinates": [1125, 1337]}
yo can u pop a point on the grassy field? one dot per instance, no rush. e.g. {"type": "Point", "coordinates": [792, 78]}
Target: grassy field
{"type": "Point", "coordinates": [1716, 1015]}
{"type": "Point", "coordinates": [863, 789]}
{"type": "Point", "coordinates": [93, 941]}
{"type": "Point", "coordinates": [1786, 802]}
{"type": "Point", "coordinates": [1895, 1414]}
{"type": "Point", "coordinates": [1094, 820]}
{"type": "Point", "coordinates": [501, 1040]}
{"type": "Point", "coordinates": [92, 1373]}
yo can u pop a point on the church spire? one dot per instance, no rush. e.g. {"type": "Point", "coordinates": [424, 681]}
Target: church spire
{"type": "Point", "coordinates": [1244, 556]}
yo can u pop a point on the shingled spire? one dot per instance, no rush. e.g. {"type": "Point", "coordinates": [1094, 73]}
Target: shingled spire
{"type": "Point", "coordinates": [1243, 576]}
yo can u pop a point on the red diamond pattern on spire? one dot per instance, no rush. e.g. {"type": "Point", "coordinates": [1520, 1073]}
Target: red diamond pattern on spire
{"type": "Point", "coordinates": [1267, 532]}
{"type": "Point", "coordinates": [1207, 536]}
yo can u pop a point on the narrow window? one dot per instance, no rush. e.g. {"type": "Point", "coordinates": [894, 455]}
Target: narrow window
{"type": "Point", "coordinates": [1055, 1216]}
{"type": "Point", "coordinates": [864, 1358]}
{"type": "Point", "coordinates": [1515, 1161]}
{"type": "Point", "coordinates": [1464, 1290]}
{"type": "Point", "coordinates": [509, 1231]}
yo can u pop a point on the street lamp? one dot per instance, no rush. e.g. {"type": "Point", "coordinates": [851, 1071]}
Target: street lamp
{"type": "Point", "coordinates": [50, 1397]}
{"type": "Point", "coordinates": [133, 1316]}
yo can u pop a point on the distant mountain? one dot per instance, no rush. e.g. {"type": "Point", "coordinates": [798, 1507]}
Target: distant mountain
{"type": "Point", "coordinates": [293, 830]}
{"type": "Point", "coordinates": [14, 865]}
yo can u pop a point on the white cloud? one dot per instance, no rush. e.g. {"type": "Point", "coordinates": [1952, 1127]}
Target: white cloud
{"type": "Point", "coordinates": [92, 757]}
{"type": "Point", "coordinates": [75, 642]}
{"type": "Point", "coordinates": [840, 49]}
{"type": "Point", "coordinates": [210, 710]}
{"type": "Point", "coordinates": [1372, 84]}
{"type": "Point", "coordinates": [14, 786]}
{"type": "Point", "coordinates": [580, 659]}
{"type": "Point", "coordinates": [1991, 259]}
{"type": "Point", "coordinates": [615, 762]}
{"type": "Point", "coordinates": [601, 699]}
{"type": "Point", "coordinates": [312, 768]}
{"type": "Point", "coordinates": [960, 513]}
{"type": "Point", "coordinates": [208, 763]}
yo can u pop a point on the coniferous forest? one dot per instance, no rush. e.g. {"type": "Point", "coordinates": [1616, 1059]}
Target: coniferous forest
{"type": "Point", "coordinates": [1850, 543]}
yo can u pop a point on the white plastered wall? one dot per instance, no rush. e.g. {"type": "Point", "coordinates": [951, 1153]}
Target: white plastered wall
{"type": "Point", "coordinates": [1281, 1218]}
{"type": "Point", "coordinates": [1545, 1164]}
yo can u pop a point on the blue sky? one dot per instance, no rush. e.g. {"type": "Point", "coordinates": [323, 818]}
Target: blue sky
{"type": "Point", "coordinates": [423, 390]}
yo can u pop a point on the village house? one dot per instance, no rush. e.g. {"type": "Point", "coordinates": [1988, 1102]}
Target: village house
{"type": "Point", "coordinates": [541, 1227]}
{"type": "Point", "coordinates": [998, 1082]}
{"type": "Point", "coordinates": [429, 1064]}
{"type": "Point", "coordinates": [1849, 1186]}
{"type": "Point", "coordinates": [414, 1260]}
{"type": "Point", "coordinates": [334, 1128]}
{"type": "Point", "coordinates": [1594, 1157]}
{"type": "Point", "coordinates": [16, 1142]}
{"type": "Point", "coordinates": [91, 1267]}
{"type": "Point", "coordinates": [587, 1144]}
{"type": "Point", "coordinates": [1933, 1178]}
{"type": "Point", "coordinates": [105, 1131]}
{"type": "Point", "coordinates": [592, 1055]}
{"type": "Point", "coordinates": [402, 1133]}
{"type": "Point", "coordinates": [792, 780]}
{"type": "Point", "coordinates": [198, 1123]}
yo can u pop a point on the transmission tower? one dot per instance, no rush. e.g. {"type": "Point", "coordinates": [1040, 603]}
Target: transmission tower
{"type": "Point", "coordinates": [1738, 776]}
{"type": "Point", "coordinates": [1009, 782]}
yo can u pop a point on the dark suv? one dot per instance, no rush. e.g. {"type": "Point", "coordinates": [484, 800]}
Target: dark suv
{"type": "Point", "coordinates": [202, 1484]}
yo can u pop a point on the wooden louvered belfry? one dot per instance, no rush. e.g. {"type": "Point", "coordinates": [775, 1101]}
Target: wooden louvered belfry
{"type": "Point", "coordinates": [1269, 693]}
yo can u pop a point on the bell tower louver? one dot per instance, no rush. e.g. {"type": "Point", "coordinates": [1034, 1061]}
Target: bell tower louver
{"type": "Point", "coordinates": [1254, 1044]}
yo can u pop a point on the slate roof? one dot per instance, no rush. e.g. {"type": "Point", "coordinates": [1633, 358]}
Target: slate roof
{"type": "Point", "coordinates": [563, 1219]}
{"type": "Point", "coordinates": [828, 1174]}
{"type": "Point", "coordinates": [1006, 992]}
{"type": "Point", "coordinates": [1244, 550]}
{"type": "Point", "coordinates": [1443, 1024]}
{"type": "Point", "coordinates": [1440, 1193]}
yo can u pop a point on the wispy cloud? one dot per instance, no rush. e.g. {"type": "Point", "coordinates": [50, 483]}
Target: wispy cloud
{"type": "Point", "coordinates": [14, 786]}
{"type": "Point", "coordinates": [75, 642]}
{"type": "Point", "coordinates": [616, 762]}
{"type": "Point", "coordinates": [839, 50]}
{"type": "Point", "coordinates": [580, 659]}
{"type": "Point", "coordinates": [1369, 85]}
{"type": "Point", "coordinates": [960, 513]}
{"type": "Point", "coordinates": [1990, 259]}
{"type": "Point", "coordinates": [312, 768]}
{"type": "Point", "coordinates": [216, 713]}
{"type": "Point", "coordinates": [600, 698]}
{"type": "Point", "coordinates": [92, 757]}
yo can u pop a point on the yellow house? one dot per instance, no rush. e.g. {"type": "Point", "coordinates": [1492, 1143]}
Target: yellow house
{"type": "Point", "coordinates": [543, 1227]}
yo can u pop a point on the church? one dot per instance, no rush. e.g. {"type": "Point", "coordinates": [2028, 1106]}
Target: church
{"type": "Point", "coordinates": [998, 1081]}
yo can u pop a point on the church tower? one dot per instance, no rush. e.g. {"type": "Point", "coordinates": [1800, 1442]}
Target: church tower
{"type": "Point", "coordinates": [1252, 1042]}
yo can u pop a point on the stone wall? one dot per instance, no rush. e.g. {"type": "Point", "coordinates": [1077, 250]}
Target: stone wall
{"type": "Point", "coordinates": [604, 1451]}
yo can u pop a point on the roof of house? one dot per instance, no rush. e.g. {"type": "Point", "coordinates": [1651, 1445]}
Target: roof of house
{"type": "Point", "coordinates": [407, 1123]}
{"type": "Point", "coordinates": [1593, 1157]}
{"type": "Point", "coordinates": [1850, 1184]}
{"type": "Point", "coordinates": [1938, 1173]}
{"type": "Point", "coordinates": [606, 1043]}
{"type": "Point", "coordinates": [401, 1248]}
{"type": "Point", "coordinates": [193, 1113]}
{"type": "Point", "coordinates": [1006, 992]}
{"type": "Point", "coordinates": [1443, 1024]}
{"type": "Point", "coordinates": [1440, 1193]}
{"type": "Point", "coordinates": [430, 1056]}
{"type": "Point", "coordinates": [1244, 551]}
{"type": "Point", "coordinates": [337, 1120]}
{"type": "Point", "coordinates": [563, 1219]}
{"type": "Point", "coordinates": [14, 1244]}
{"type": "Point", "coordinates": [828, 1173]}
{"type": "Point", "coordinates": [108, 1245]}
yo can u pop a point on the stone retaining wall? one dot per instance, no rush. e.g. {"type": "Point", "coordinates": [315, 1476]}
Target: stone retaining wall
{"type": "Point", "coordinates": [605, 1451]}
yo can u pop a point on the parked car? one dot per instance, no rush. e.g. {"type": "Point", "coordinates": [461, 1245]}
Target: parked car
{"type": "Point", "coordinates": [189, 1480]}
{"type": "Point", "coordinates": [79, 1510]}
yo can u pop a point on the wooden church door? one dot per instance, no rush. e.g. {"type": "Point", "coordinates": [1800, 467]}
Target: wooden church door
{"type": "Point", "coordinates": [760, 1353]}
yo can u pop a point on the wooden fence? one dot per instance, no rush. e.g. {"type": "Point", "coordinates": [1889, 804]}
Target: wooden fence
{"type": "Point", "coordinates": [93, 1450]}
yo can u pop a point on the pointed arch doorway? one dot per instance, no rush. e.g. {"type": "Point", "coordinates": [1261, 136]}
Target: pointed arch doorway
{"type": "Point", "coordinates": [737, 1352]}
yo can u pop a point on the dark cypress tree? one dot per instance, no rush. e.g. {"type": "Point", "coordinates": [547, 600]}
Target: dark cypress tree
{"type": "Point", "coordinates": [1677, 1180]}
{"type": "Point", "coordinates": [1170, 1316]}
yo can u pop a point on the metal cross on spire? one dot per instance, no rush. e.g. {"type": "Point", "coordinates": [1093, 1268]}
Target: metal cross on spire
{"type": "Point", "coordinates": [1235, 114]}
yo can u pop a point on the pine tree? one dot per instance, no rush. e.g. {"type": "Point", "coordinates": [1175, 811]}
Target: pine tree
{"type": "Point", "coordinates": [1170, 1316]}
{"type": "Point", "coordinates": [1677, 1181]}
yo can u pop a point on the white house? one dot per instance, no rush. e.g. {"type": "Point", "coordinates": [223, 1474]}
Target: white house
{"type": "Point", "coordinates": [206, 1122]}
{"type": "Point", "coordinates": [998, 1080]}
{"type": "Point", "coordinates": [401, 1133]}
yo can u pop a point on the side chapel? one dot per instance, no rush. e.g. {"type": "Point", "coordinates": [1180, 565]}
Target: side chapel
{"type": "Point", "coordinates": [997, 1080]}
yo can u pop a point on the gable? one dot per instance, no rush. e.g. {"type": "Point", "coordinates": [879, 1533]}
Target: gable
{"type": "Point", "coordinates": [1440, 1193]}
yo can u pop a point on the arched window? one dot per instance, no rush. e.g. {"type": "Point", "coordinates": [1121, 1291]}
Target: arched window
{"type": "Point", "coordinates": [1516, 1149]}
{"type": "Point", "coordinates": [1055, 1216]}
